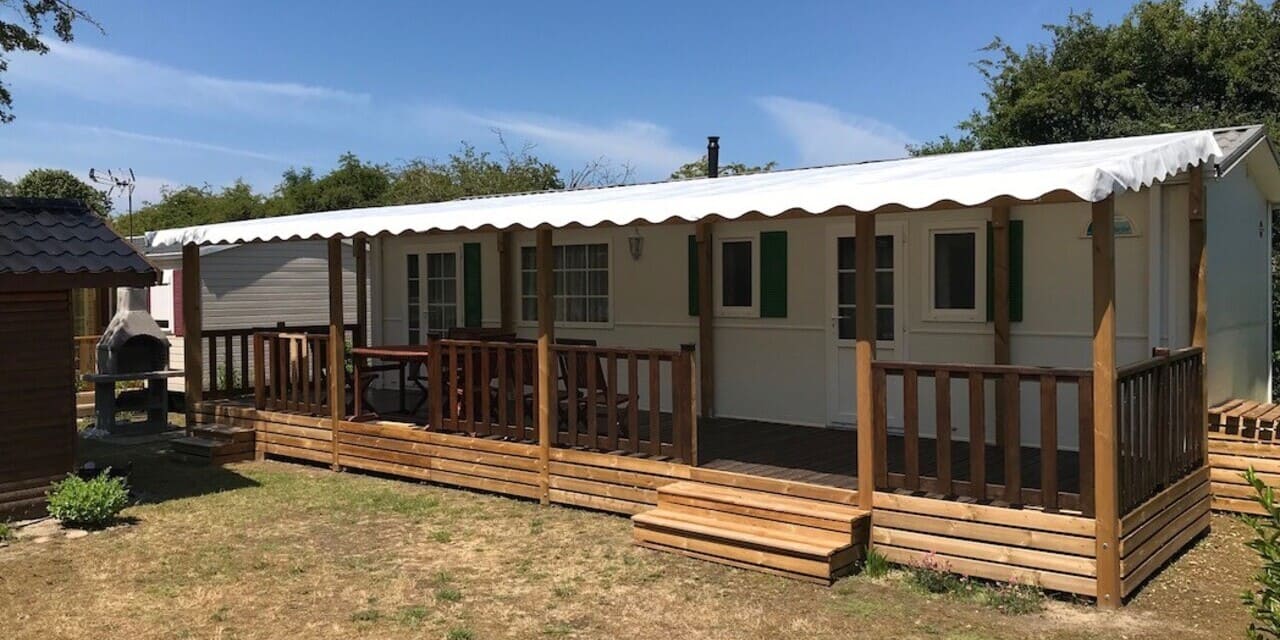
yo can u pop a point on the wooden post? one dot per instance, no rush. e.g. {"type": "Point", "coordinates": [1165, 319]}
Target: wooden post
{"type": "Point", "coordinates": [192, 327]}
{"type": "Point", "coordinates": [337, 346]}
{"type": "Point", "coordinates": [546, 375]}
{"type": "Point", "coordinates": [1199, 259]}
{"type": "Point", "coordinates": [1106, 452]}
{"type": "Point", "coordinates": [506, 304]}
{"type": "Point", "coordinates": [865, 320]}
{"type": "Point", "coordinates": [1000, 305]}
{"type": "Point", "coordinates": [360, 251]}
{"type": "Point", "coordinates": [694, 410]}
{"type": "Point", "coordinates": [706, 321]}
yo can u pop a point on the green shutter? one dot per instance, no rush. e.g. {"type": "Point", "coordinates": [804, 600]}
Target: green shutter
{"type": "Point", "coordinates": [773, 274]}
{"type": "Point", "coordinates": [693, 275]}
{"type": "Point", "coordinates": [1015, 272]}
{"type": "Point", "coordinates": [471, 295]}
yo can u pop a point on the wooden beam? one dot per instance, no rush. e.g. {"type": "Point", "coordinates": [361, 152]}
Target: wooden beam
{"type": "Point", "coordinates": [1199, 258]}
{"type": "Point", "coordinates": [865, 320]}
{"type": "Point", "coordinates": [192, 327]}
{"type": "Point", "coordinates": [506, 303]}
{"type": "Point", "coordinates": [360, 250]}
{"type": "Point", "coordinates": [706, 322]}
{"type": "Point", "coordinates": [337, 343]}
{"type": "Point", "coordinates": [1000, 304]}
{"type": "Point", "coordinates": [1106, 452]}
{"type": "Point", "coordinates": [546, 370]}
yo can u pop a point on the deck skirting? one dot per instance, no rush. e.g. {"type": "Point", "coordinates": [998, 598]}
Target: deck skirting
{"type": "Point", "coordinates": [1051, 550]}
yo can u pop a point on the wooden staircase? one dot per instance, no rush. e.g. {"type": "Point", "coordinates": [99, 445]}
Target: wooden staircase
{"type": "Point", "coordinates": [215, 444]}
{"type": "Point", "coordinates": [798, 538]}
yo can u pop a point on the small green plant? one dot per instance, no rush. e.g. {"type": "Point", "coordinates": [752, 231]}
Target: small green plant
{"type": "Point", "coordinates": [91, 503]}
{"type": "Point", "coordinates": [933, 575]}
{"type": "Point", "coordinates": [448, 594]}
{"type": "Point", "coordinates": [1263, 600]}
{"type": "Point", "coordinates": [6, 532]}
{"type": "Point", "coordinates": [875, 565]}
{"type": "Point", "coordinates": [460, 633]}
{"type": "Point", "coordinates": [441, 536]}
{"type": "Point", "coordinates": [368, 615]}
{"type": "Point", "coordinates": [413, 616]}
{"type": "Point", "coordinates": [1011, 599]}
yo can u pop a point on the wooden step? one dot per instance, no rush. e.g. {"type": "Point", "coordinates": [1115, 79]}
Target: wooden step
{"type": "Point", "coordinates": [794, 537]}
{"type": "Point", "coordinates": [211, 451]}
{"type": "Point", "coordinates": [223, 433]}
{"type": "Point", "coordinates": [760, 505]}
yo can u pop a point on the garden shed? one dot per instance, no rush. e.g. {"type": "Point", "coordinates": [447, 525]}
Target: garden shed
{"type": "Point", "coordinates": [48, 248]}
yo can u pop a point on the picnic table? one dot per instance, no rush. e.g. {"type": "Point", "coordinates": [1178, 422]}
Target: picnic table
{"type": "Point", "coordinates": [400, 358]}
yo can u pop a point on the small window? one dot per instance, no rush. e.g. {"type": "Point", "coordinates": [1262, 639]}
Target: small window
{"type": "Point", "coordinates": [954, 257]}
{"type": "Point", "coordinates": [736, 274]}
{"type": "Point", "coordinates": [582, 283]}
{"type": "Point", "coordinates": [414, 310]}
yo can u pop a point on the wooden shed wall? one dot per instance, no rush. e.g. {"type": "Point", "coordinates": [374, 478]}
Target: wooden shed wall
{"type": "Point", "coordinates": [37, 414]}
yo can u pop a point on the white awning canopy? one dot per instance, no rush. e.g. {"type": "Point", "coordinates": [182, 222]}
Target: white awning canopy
{"type": "Point", "coordinates": [1089, 171]}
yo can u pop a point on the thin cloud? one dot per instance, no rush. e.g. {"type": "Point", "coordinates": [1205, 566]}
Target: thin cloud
{"type": "Point", "coordinates": [173, 142]}
{"type": "Point", "coordinates": [103, 76]}
{"type": "Point", "coordinates": [822, 134]}
{"type": "Point", "coordinates": [646, 146]}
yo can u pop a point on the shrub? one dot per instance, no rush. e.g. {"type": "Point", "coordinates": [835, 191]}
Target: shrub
{"type": "Point", "coordinates": [876, 565]}
{"type": "Point", "coordinates": [1264, 600]}
{"type": "Point", "coordinates": [933, 575]}
{"type": "Point", "coordinates": [1013, 599]}
{"type": "Point", "coordinates": [6, 532]}
{"type": "Point", "coordinates": [88, 503]}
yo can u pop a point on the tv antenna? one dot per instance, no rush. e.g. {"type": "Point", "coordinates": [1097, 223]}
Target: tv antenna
{"type": "Point", "coordinates": [117, 180]}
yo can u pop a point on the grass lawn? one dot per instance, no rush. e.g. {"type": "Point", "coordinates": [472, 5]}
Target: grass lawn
{"type": "Point", "coordinates": [260, 550]}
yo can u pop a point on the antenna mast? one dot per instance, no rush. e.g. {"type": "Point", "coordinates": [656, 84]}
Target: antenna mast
{"type": "Point", "coordinates": [122, 180]}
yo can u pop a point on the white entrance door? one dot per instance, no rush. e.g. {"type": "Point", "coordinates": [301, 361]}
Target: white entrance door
{"type": "Point", "coordinates": [891, 314]}
{"type": "Point", "coordinates": [432, 294]}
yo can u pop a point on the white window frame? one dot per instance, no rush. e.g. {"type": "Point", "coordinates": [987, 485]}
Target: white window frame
{"type": "Point", "coordinates": [717, 271]}
{"type": "Point", "coordinates": [520, 295]}
{"type": "Point", "coordinates": [979, 311]}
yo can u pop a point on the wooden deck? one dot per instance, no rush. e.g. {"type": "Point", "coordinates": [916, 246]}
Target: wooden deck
{"type": "Point", "coordinates": [828, 456]}
{"type": "Point", "coordinates": [1242, 434]}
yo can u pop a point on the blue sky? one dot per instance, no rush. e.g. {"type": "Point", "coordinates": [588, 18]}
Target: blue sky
{"type": "Point", "coordinates": [192, 93]}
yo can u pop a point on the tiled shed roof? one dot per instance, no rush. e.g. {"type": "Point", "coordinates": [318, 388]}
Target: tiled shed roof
{"type": "Point", "coordinates": [43, 237]}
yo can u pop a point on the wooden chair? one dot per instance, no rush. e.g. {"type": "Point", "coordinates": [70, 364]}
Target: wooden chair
{"type": "Point", "coordinates": [582, 360]}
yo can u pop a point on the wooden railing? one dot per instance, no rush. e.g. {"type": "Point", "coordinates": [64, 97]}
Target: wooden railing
{"type": "Point", "coordinates": [958, 464]}
{"type": "Point", "coordinates": [86, 354]}
{"type": "Point", "coordinates": [228, 356]}
{"type": "Point", "coordinates": [599, 412]}
{"type": "Point", "coordinates": [607, 398]}
{"type": "Point", "coordinates": [291, 372]}
{"type": "Point", "coordinates": [1160, 424]}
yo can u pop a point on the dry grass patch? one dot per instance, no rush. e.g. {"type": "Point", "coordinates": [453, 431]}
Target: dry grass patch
{"type": "Point", "coordinates": [278, 550]}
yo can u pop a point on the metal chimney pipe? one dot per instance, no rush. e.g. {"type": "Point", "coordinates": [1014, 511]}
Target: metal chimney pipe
{"type": "Point", "coordinates": [713, 156]}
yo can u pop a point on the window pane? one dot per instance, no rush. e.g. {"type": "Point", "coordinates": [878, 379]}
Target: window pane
{"type": "Point", "coordinates": [954, 269]}
{"type": "Point", "coordinates": [599, 256]}
{"type": "Point", "coordinates": [598, 310]}
{"type": "Point", "coordinates": [845, 253]}
{"type": "Point", "coordinates": [736, 279]}
{"type": "Point", "coordinates": [528, 258]}
{"type": "Point", "coordinates": [575, 256]}
{"type": "Point", "coordinates": [529, 283]}
{"type": "Point", "coordinates": [884, 287]}
{"type": "Point", "coordinates": [576, 283]}
{"type": "Point", "coordinates": [884, 252]}
{"type": "Point", "coordinates": [884, 323]}
{"type": "Point", "coordinates": [599, 283]}
{"type": "Point", "coordinates": [847, 287]}
{"type": "Point", "coordinates": [529, 309]}
{"type": "Point", "coordinates": [847, 329]}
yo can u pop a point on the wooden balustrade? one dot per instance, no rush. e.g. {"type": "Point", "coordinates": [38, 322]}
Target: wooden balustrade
{"type": "Point", "coordinates": [1161, 425]}
{"type": "Point", "coordinates": [291, 372]}
{"type": "Point", "coordinates": [959, 465]}
{"type": "Point", "coordinates": [608, 399]}
{"type": "Point", "coordinates": [228, 355]}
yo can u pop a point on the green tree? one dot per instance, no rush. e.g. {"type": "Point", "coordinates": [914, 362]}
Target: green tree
{"type": "Point", "coordinates": [188, 206]}
{"type": "Point", "coordinates": [472, 173]}
{"type": "Point", "coordinates": [353, 183]}
{"type": "Point", "coordinates": [698, 169]}
{"type": "Point", "coordinates": [60, 183]}
{"type": "Point", "coordinates": [23, 35]}
{"type": "Point", "coordinates": [1166, 66]}
{"type": "Point", "coordinates": [6, 187]}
